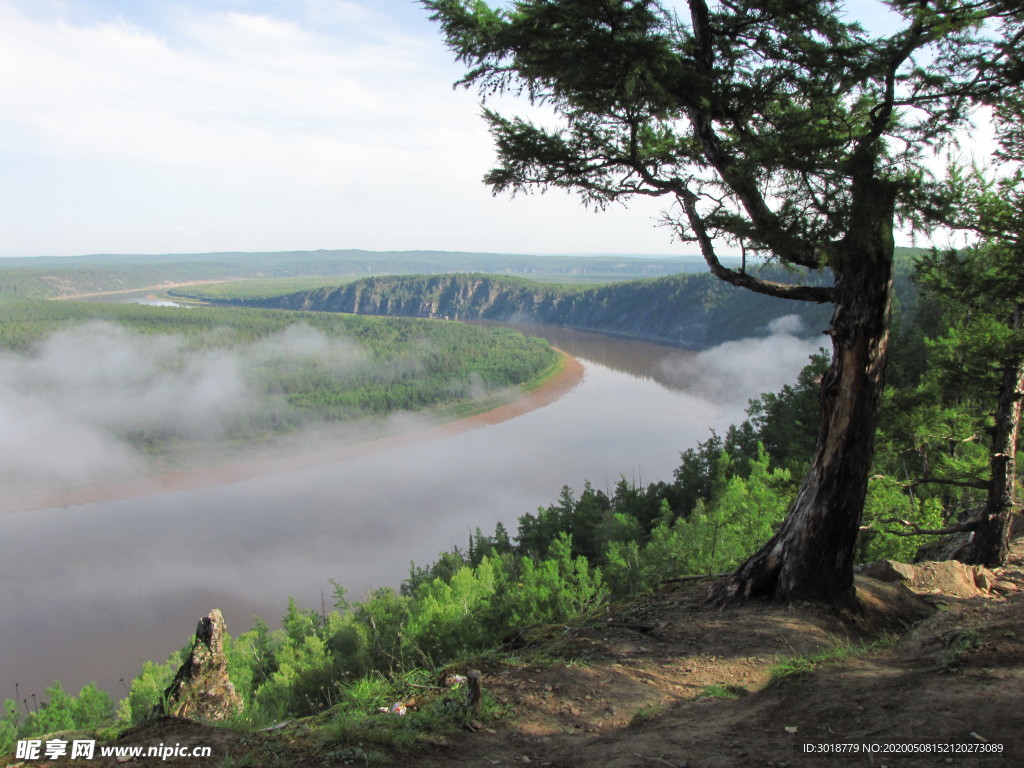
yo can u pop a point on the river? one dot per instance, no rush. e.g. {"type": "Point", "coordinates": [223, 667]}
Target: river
{"type": "Point", "coordinates": [93, 590]}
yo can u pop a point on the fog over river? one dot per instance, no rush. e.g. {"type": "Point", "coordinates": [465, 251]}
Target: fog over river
{"type": "Point", "coordinates": [93, 590]}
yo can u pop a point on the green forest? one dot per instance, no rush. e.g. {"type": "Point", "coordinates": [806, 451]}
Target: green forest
{"type": "Point", "coordinates": [296, 370]}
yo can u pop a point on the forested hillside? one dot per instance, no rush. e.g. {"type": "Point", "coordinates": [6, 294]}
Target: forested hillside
{"type": "Point", "coordinates": [181, 383]}
{"type": "Point", "coordinates": [692, 310]}
{"type": "Point", "coordinates": [687, 310]}
{"type": "Point", "coordinates": [584, 551]}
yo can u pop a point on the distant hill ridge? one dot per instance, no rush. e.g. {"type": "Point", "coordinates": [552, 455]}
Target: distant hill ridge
{"type": "Point", "coordinates": [49, 276]}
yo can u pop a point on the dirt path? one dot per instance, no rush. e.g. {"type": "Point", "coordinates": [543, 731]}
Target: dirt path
{"type": "Point", "coordinates": [236, 470]}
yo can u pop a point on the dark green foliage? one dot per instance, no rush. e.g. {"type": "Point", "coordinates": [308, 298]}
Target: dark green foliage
{"type": "Point", "coordinates": [784, 423]}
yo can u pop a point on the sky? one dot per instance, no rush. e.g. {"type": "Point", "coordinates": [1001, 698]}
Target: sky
{"type": "Point", "coordinates": [177, 126]}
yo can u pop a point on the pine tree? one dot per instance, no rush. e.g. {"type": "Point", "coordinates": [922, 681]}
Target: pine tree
{"type": "Point", "coordinates": [780, 128]}
{"type": "Point", "coordinates": [983, 290]}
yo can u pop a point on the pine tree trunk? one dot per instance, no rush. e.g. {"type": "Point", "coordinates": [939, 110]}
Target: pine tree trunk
{"type": "Point", "coordinates": [991, 544]}
{"type": "Point", "coordinates": [812, 554]}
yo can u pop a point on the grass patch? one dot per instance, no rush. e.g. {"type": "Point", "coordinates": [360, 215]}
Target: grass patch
{"type": "Point", "coordinates": [801, 665]}
{"type": "Point", "coordinates": [645, 716]}
{"type": "Point", "coordinates": [358, 729]}
{"type": "Point", "coordinates": [958, 642]}
{"type": "Point", "coordinates": [722, 691]}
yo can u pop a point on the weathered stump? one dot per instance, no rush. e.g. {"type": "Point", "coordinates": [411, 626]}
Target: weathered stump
{"type": "Point", "coordinates": [474, 694]}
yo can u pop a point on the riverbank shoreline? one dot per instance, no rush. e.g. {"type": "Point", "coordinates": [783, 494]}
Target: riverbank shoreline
{"type": "Point", "coordinates": [234, 470]}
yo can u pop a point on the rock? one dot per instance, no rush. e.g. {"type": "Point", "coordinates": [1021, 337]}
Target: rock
{"type": "Point", "coordinates": [947, 548]}
{"type": "Point", "coordinates": [983, 578]}
{"type": "Point", "coordinates": [888, 570]}
{"type": "Point", "coordinates": [201, 689]}
{"type": "Point", "coordinates": [948, 577]}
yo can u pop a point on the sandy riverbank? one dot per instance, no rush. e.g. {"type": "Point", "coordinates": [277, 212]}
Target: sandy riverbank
{"type": "Point", "coordinates": [234, 470]}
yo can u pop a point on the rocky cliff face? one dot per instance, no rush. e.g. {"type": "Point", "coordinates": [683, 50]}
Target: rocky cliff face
{"type": "Point", "coordinates": [685, 310]}
{"type": "Point", "coordinates": [201, 689]}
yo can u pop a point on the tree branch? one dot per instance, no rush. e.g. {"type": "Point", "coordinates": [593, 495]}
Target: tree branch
{"type": "Point", "coordinates": [817, 294]}
{"type": "Point", "coordinates": [740, 181]}
{"type": "Point", "coordinates": [942, 481]}
{"type": "Point", "coordinates": [970, 525]}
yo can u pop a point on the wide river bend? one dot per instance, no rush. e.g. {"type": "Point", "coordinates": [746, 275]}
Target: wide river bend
{"type": "Point", "coordinates": [92, 590]}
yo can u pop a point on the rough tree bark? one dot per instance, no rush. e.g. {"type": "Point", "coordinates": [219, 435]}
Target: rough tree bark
{"type": "Point", "coordinates": [991, 543]}
{"type": "Point", "coordinates": [811, 555]}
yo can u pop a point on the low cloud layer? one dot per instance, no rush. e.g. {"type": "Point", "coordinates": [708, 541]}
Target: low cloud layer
{"type": "Point", "coordinates": [736, 371]}
{"type": "Point", "coordinates": [80, 408]}
{"type": "Point", "coordinates": [68, 408]}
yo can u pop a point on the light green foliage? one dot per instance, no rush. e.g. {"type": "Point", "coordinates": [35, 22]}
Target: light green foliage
{"type": "Point", "coordinates": [9, 726]}
{"type": "Point", "coordinates": [450, 616]}
{"type": "Point", "coordinates": [147, 690]}
{"type": "Point", "coordinates": [725, 532]}
{"type": "Point", "coordinates": [303, 682]}
{"type": "Point", "coordinates": [57, 711]}
{"type": "Point", "coordinates": [634, 566]}
{"type": "Point", "coordinates": [716, 536]}
{"type": "Point", "coordinates": [92, 708]}
{"type": "Point", "coordinates": [56, 714]}
{"type": "Point", "coordinates": [888, 503]}
{"type": "Point", "coordinates": [553, 589]}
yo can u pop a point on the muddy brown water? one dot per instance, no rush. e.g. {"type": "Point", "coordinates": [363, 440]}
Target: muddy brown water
{"type": "Point", "coordinates": [92, 590]}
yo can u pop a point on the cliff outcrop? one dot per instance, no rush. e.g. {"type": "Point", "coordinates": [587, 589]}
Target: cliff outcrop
{"type": "Point", "coordinates": [686, 310]}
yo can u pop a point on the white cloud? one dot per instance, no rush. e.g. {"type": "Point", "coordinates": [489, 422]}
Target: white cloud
{"type": "Point", "coordinates": [68, 406]}
{"type": "Point", "coordinates": [228, 125]}
{"type": "Point", "coordinates": [736, 371]}
{"type": "Point", "coordinates": [787, 324]}
{"type": "Point", "coordinates": [225, 90]}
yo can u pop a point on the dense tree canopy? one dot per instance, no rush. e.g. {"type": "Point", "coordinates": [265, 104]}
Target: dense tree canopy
{"type": "Point", "coordinates": [981, 355]}
{"type": "Point", "coordinates": [784, 129]}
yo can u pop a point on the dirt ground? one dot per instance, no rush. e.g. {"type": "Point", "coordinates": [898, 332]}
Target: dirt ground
{"type": "Point", "coordinates": [926, 675]}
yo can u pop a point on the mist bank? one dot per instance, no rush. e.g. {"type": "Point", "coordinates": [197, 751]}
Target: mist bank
{"type": "Point", "coordinates": [96, 394]}
{"type": "Point", "coordinates": [694, 311]}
